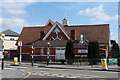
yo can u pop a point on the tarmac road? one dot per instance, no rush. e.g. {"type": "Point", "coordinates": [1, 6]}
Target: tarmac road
{"type": "Point", "coordinates": [12, 73]}
{"type": "Point", "coordinates": [28, 71]}
{"type": "Point", "coordinates": [69, 73]}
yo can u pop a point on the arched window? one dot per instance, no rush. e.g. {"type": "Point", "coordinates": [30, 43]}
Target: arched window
{"type": "Point", "coordinates": [57, 37]}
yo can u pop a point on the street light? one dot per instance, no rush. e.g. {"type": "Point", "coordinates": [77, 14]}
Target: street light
{"type": "Point", "coordinates": [81, 43]}
{"type": "Point", "coordinates": [20, 56]}
{"type": "Point", "coordinates": [48, 53]}
{"type": "Point", "coordinates": [2, 65]}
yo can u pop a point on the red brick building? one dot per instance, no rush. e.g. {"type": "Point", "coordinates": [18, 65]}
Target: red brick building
{"type": "Point", "coordinates": [57, 35]}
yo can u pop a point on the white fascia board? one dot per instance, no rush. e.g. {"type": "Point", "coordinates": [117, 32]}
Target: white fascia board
{"type": "Point", "coordinates": [49, 32]}
{"type": "Point", "coordinates": [53, 28]}
{"type": "Point", "coordinates": [63, 31]}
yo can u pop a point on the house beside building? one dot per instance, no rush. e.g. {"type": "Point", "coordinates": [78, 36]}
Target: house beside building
{"type": "Point", "coordinates": [57, 34]}
{"type": "Point", "coordinates": [9, 42]}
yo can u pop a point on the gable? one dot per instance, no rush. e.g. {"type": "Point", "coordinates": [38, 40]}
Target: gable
{"type": "Point", "coordinates": [10, 33]}
{"type": "Point", "coordinates": [49, 22]}
{"type": "Point", "coordinates": [55, 29]}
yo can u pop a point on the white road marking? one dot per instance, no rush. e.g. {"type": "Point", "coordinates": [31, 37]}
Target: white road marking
{"type": "Point", "coordinates": [43, 73]}
{"type": "Point", "coordinates": [104, 71]}
{"type": "Point", "coordinates": [18, 67]}
{"type": "Point", "coordinates": [10, 68]}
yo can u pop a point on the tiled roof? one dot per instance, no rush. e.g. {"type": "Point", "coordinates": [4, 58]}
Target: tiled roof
{"type": "Point", "coordinates": [100, 33]}
{"type": "Point", "coordinates": [53, 43]}
{"type": "Point", "coordinates": [31, 34]}
{"type": "Point", "coordinates": [56, 43]}
{"type": "Point", "coordinates": [10, 33]}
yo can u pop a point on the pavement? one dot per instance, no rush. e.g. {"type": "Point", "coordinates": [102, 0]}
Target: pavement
{"type": "Point", "coordinates": [112, 67]}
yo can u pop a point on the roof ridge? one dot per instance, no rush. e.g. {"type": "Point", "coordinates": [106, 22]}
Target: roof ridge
{"type": "Point", "coordinates": [88, 25]}
{"type": "Point", "coordinates": [10, 32]}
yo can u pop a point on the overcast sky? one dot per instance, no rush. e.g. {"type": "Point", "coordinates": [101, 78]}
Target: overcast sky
{"type": "Point", "coordinates": [16, 15]}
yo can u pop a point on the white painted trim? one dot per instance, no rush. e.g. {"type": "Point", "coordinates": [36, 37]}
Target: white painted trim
{"type": "Point", "coordinates": [52, 30]}
{"type": "Point", "coordinates": [49, 21]}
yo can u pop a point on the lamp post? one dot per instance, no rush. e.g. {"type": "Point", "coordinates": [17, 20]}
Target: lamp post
{"type": "Point", "coordinates": [81, 43]}
{"type": "Point", "coordinates": [32, 57]}
{"type": "Point", "coordinates": [20, 45]}
{"type": "Point", "coordinates": [2, 65]}
{"type": "Point", "coordinates": [48, 53]}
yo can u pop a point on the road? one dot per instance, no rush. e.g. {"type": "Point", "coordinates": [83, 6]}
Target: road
{"type": "Point", "coordinates": [70, 73]}
{"type": "Point", "coordinates": [12, 73]}
{"type": "Point", "coordinates": [41, 72]}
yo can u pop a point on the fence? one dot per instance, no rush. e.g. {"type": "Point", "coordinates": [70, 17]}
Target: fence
{"type": "Point", "coordinates": [76, 61]}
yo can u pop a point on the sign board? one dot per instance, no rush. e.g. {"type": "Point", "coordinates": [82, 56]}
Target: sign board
{"type": "Point", "coordinates": [112, 60]}
{"type": "Point", "coordinates": [20, 43]}
{"type": "Point", "coordinates": [60, 54]}
{"type": "Point", "coordinates": [1, 55]}
{"type": "Point", "coordinates": [82, 51]}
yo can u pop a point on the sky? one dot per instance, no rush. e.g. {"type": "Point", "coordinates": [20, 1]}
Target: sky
{"type": "Point", "coordinates": [16, 15]}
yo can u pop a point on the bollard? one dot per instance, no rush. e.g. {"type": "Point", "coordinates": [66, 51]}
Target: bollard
{"type": "Point", "coordinates": [104, 64]}
{"type": "Point", "coordinates": [16, 61]}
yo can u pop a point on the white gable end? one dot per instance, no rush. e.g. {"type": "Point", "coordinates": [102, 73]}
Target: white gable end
{"type": "Point", "coordinates": [56, 30]}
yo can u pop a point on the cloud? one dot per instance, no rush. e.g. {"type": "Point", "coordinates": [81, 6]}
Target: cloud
{"type": "Point", "coordinates": [13, 13]}
{"type": "Point", "coordinates": [99, 14]}
{"type": "Point", "coordinates": [92, 11]}
{"type": "Point", "coordinates": [14, 8]}
{"type": "Point", "coordinates": [13, 22]}
{"type": "Point", "coordinates": [19, 0]}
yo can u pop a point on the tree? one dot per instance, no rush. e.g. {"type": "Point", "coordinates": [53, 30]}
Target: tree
{"type": "Point", "coordinates": [69, 52]}
{"type": "Point", "coordinates": [93, 52]}
{"type": "Point", "coordinates": [114, 49]}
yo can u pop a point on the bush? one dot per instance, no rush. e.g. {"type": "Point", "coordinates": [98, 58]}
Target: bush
{"type": "Point", "coordinates": [93, 52]}
{"type": "Point", "coordinates": [69, 52]}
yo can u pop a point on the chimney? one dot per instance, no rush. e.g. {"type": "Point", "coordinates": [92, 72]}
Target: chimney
{"type": "Point", "coordinates": [81, 38]}
{"type": "Point", "coordinates": [65, 22]}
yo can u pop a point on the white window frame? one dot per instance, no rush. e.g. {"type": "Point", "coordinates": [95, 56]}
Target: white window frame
{"type": "Point", "coordinates": [82, 51]}
{"type": "Point", "coordinates": [41, 51]}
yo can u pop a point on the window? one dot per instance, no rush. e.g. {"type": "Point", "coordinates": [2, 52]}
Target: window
{"type": "Point", "coordinates": [57, 37]}
{"type": "Point", "coordinates": [12, 39]}
{"type": "Point", "coordinates": [41, 51]}
{"type": "Point", "coordinates": [73, 34]}
{"type": "Point", "coordinates": [82, 51]}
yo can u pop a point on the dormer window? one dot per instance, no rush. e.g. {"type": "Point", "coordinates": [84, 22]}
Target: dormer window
{"type": "Point", "coordinates": [57, 37]}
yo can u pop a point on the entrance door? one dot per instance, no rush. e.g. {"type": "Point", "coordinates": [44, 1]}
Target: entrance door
{"type": "Point", "coordinates": [60, 53]}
